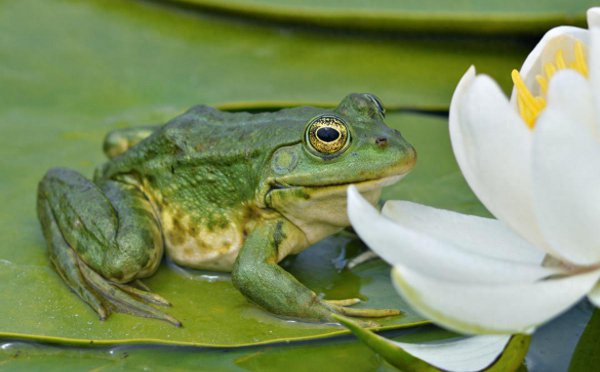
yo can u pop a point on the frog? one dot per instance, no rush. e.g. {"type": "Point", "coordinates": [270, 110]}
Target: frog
{"type": "Point", "coordinates": [235, 192]}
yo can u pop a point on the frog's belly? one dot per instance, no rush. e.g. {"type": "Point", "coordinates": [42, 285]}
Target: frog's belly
{"type": "Point", "coordinates": [201, 248]}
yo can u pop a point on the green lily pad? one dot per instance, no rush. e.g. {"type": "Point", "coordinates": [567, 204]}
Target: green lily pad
{"type": "Point", "coordinates": [339, 354]}
{"type": "Point", "coordinates": [482, 17]}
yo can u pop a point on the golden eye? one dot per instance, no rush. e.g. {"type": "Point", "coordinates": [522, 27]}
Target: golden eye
{"type": "Point", "coordinates": [327, 134]}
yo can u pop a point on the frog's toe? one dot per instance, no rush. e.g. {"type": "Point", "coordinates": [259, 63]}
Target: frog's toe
{"type": "Point", "coordinates": [367, 313]}
{"type": "Point", "coordinates": [127, 299]}
{"type": "Point", "coordinates": [361, 322]}
{"type": "Point", "coordinates": [67, 267]}
{"type": "Point", "coordinates": [345, 302]}
{"type": "Point", "coordinates": [367, 255]}
{"type": "Point", "coordinates": [138, 289]}
{"type": "Point", "coordinates": [343, 307]}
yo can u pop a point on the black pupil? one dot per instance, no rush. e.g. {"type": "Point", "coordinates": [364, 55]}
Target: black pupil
{"type": "Point", "coordinates": [328, 134]}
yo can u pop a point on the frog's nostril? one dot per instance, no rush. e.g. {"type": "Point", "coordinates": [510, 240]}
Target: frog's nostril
{"type": "Point", "coordinates": [381, 141]}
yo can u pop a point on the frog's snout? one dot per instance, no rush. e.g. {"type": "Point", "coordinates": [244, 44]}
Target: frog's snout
{"type": "Point", "coordinates": [411, 156]}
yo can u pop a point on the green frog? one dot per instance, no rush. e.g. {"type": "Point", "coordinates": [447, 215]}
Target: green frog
{"type": "Point", "coordinates": [214, 190]}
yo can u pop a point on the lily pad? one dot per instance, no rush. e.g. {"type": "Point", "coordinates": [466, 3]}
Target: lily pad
{"type": "Point", "coordinates": [339, 354]}
{"type": "Point", "coordinates": [482, 17]}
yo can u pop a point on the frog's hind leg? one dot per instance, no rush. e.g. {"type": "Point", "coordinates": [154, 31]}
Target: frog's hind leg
{"type": "Point", "coordinates": [65, 260]}
{"type": "Point", "coordinates": [118, 141]}
{"type": "Point", "coordinates": [100, 237]}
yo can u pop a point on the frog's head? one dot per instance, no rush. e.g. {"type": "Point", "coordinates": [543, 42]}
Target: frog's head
{"type": "Point", "coordinates": [307, 180]}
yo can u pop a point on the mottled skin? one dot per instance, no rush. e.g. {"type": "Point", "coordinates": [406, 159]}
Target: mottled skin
{"type": "Point", "coordinates": [219, 191]}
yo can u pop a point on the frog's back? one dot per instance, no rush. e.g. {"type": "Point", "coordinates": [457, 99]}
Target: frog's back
{"type": "Point", "coordinates": [207, 132]}
{"type": "Point", "coordinates": [204, 133]}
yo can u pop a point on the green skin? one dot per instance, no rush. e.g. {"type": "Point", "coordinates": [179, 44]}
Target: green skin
{"type": "Point", "coordinates": [219, 191]}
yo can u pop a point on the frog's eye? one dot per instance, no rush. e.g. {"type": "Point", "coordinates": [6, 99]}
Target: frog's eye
{"type": "Point", "coordinates": [327, 134]}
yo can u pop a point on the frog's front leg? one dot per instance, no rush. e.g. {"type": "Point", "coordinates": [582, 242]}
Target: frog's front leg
{"type": "Point", "coordinates": [100, 236]}
{"type": "Point", "coordinates": [258, 276]}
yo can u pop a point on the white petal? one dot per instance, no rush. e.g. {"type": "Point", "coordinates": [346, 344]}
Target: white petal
{"type": "Point", "coordinates": [400, 245]}
{"type": "Point", "coordinates": [594, 295]}
{"type": "Point", "coordinates": [492, 146]}
{"type": "Point", "coordinates": [593, 17]}
{"type": "Point", "coordinates": [561, 38]}
{"type": "Point", "coordinates": [482, 308]}
{"type": "Point", "coordinates": [455, 117]}
{"type": "Point", "coordinates": [594, 67]}
{"type": "Point", "coordinates": [483, 236]}
{"type": "Point", "coordinates": [469, 354]}
{"type": "Point", "coordinates": [566, 169]}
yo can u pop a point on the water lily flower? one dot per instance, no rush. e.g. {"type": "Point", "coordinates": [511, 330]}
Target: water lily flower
{"type": "Point", "coordinates": [534, 162]}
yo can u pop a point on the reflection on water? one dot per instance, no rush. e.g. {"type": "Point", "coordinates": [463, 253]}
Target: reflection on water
{"type": "Point", "coordinates": [322, 267]}
{"type": "Point", "coordinates": [553, 344]}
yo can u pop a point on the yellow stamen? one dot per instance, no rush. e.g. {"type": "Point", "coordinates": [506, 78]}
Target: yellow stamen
{"type": "Point", "coordinates": [549, 69]}
{"type": "Point", "coordinates": [543, 82]}
{"type": "Point", "coordinates": [580, 63]}
{"type": "Point", "coordinates": [560, 61]}
{"type": "Point", "coordinates": [529, 105]}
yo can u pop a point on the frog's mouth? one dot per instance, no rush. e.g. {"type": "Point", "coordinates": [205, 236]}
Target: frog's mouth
{"type": "Point", "coordinates": [308, 191]}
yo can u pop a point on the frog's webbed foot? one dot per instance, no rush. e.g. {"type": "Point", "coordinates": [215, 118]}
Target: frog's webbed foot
{"type": "Point", "coordinates": [125, 298]}
{"type": "Point", "coordinates": [343, 307]}
{"type": "Point", "coordinates": [139, 289]}
{"type": "Point", "coordinates": [102, 295]}
{"type": "Point", "coordinates": [345, 302]}
{"type": "Point", "coordinates": [101, 236]}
